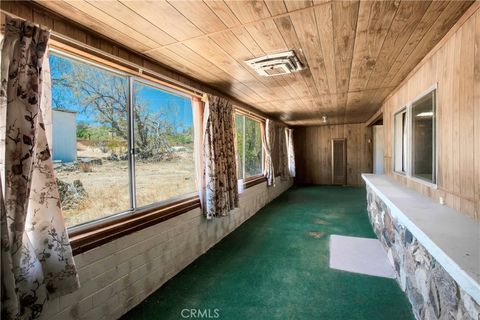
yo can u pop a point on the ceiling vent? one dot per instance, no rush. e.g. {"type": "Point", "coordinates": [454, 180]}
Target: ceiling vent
{"type": "Point", "coordinates": [276, 64]}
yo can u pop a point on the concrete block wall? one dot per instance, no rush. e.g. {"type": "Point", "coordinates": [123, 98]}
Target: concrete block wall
{"type": "Point", "coordinates": [119, 275]}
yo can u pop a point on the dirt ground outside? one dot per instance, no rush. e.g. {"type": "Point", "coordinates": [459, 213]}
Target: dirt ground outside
{"type": "Point", "coordinates": [107, 185]}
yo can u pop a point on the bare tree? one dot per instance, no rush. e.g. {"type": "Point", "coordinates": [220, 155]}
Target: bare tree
{"type": "Point", "coordinates": [104, 96]}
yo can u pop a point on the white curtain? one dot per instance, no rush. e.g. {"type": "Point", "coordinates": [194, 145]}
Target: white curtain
{"type": "Point", "coordinates": [290, 151]}
{"type": "Point", "coordinates": [198, 107]}
{"type": "Point", "coordinates": [268, 137]}
{"type": "Point", "coordinates": [37, 261]}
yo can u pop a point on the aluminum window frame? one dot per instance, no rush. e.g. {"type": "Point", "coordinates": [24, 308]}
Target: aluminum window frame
{"type": "Point", "coordinates": [404, 141]}
{"type": "Point", "coordinates": [408, 108]}
{"type": "Point", "coordinates": [133, 210]}
{"type": "Point", "coordinates": [434, 92]}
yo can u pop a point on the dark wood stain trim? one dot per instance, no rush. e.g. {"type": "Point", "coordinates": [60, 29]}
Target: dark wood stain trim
{"type": "Point", "coordinates": [253, 181]}
{"type": "Point", "coordinates": [100, 234]}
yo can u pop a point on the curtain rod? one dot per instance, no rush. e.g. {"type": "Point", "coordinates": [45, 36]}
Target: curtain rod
{"type": "Point", "coordinates": [250, 114]}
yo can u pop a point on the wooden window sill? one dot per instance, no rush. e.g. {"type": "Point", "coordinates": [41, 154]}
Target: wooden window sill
{"type": "Point", "coordinates": [253, 181]}
{"type": "Point", "coordinates": [103, 233]}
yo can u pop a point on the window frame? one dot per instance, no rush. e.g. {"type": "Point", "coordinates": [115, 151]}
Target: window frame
{"type": "Point", "coordinates": [434, 139]}
{"type": "Point", "coordinates": [405, 142]}
{"type": "Point", "coordinates": [409, 164]}
{"type": "Point", "coordinates": [258, 178]}
{"type": "Point", "coordinates": [164, 88]}
{"type": "Point", "coordinates": [78, 231]}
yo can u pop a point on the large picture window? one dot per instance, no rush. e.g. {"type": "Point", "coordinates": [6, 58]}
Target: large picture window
{"type": "Point", "coordinates": [100, 118]}
{"type": "Point", "coordinates": [249, 147]}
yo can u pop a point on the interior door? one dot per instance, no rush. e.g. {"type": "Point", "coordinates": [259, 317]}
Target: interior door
{"type": "Point", "coordinates": [339, 161]}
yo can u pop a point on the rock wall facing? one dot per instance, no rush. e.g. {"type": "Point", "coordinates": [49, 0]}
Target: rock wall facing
{"type": "Point", "coordinates": [433, 293]}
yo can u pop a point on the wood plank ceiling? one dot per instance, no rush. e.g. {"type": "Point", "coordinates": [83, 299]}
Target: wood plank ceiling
{"type": "Point", "coordinates": [357, 52]}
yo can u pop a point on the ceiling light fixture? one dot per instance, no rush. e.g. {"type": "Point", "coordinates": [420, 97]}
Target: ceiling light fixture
{"type": "Point", "coordinates": [324, 118]}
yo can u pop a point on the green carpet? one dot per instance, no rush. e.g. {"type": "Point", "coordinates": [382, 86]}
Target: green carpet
{"type": "Point", "coordinates": [275, 266]}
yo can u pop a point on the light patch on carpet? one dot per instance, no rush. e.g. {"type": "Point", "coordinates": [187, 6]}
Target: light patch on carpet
{"type": "Point", "coordinates": [360, 255]}
{"type": "Point", "coordinates": [316, 234]}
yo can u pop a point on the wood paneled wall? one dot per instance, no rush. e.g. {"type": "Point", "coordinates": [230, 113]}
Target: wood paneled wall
{"type": "Point", "coordinates": [313, 152]}
{"type": "Point", "coordinates": [454, 66]}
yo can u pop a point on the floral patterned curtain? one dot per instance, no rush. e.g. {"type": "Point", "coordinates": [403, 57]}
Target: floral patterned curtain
{"type": "Point", "coordinates": [221, 190]}
{"type": "Point", "coordinates": [268, 137]}
{"type": "Point", "coordinates": [290, 151]}
{"type": "Point", "coordinates": [37, 261]}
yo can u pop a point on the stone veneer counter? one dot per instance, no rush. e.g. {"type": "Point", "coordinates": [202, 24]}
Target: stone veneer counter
{"type": "Point", "coordinates": [407, 222]}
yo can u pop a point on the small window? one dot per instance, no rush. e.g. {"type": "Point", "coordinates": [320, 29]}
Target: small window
{"type": "Point", "coordinates": [249, 147]}
{"type": "Point", "coordinates": [253, 148]}
{"type": "Point", "coordinates": [400, 141]}
{"type": "Point", "coordinates": [423, 138]}
{"type": "Point", "coordinates": [240, 125]}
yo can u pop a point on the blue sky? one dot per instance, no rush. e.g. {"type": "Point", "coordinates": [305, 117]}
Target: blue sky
{"type": "Point", "coordinates": [177, 109]}
{"type": "Point", "coordinates": [159, 100]}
